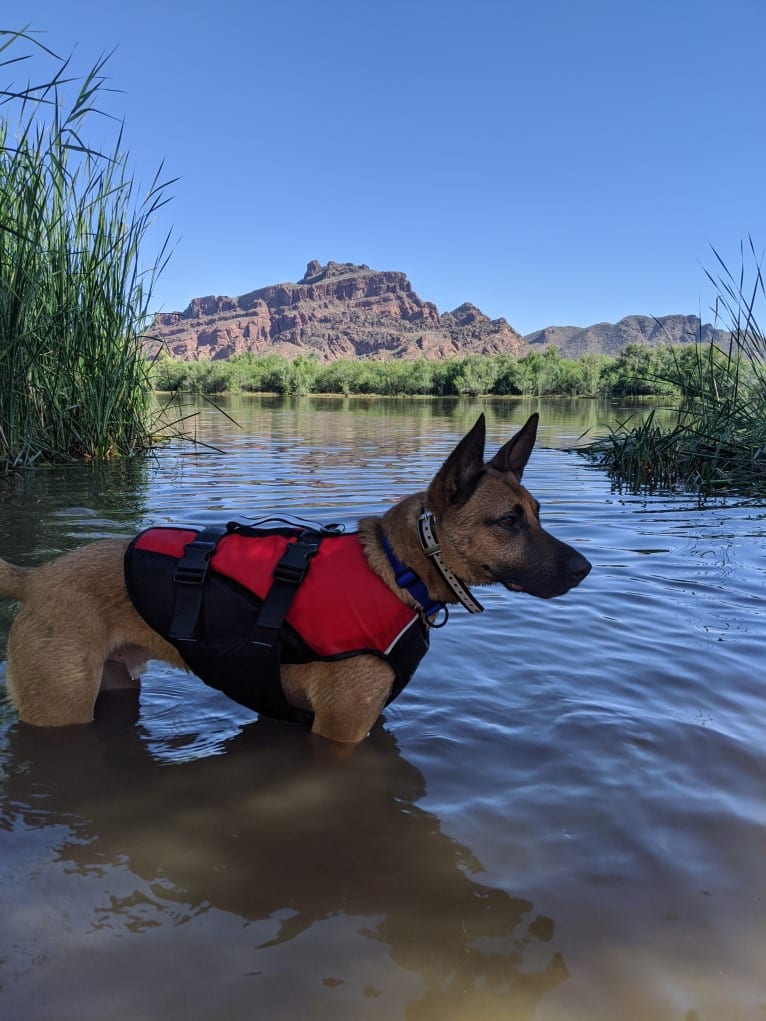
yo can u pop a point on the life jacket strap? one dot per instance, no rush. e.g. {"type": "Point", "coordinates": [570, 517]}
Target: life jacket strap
{"type": "Point", "coordinates": [289, 572]}
{"type": "Point", "coordinates": [189, 581]}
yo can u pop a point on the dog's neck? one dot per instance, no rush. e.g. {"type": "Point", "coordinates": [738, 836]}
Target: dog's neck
{"type": "Point", "coordinates": [400, 525]}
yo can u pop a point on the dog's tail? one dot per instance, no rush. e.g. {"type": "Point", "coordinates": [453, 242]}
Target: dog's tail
{"type": "Point", "coordinates": [13, 580]}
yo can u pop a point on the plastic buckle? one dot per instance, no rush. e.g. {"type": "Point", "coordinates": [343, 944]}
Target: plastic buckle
{"type": "Point", "coordinates": [294, 564]}
{"type": "Point", "coordinates": [192, 568]}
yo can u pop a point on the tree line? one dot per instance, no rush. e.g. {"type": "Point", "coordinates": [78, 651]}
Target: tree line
{"type": "Point", "coordinates": [639, 369]}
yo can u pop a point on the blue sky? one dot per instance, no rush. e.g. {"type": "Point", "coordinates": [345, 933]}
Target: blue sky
{"type": "Point", "coordinates": [556, 162]}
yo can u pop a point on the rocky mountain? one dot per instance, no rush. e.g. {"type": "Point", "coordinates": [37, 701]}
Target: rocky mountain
{"type": "Point", "coordinates": [336, 311]}
{"type": "Point", "coordinates": [611, 338]}
{"type": "Point", "coordinates": [342, 310]}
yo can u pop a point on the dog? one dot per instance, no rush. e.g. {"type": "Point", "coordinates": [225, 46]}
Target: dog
{"type": "Point", "coordinates": [78, 633]}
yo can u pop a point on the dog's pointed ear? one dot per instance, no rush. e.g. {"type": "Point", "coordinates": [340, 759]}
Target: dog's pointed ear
{"type": "Point", "coordinates": [514, 455]}
{"type": "Point", "coordinates": [457, 478]}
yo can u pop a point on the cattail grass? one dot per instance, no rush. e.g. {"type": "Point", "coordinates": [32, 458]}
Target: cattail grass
{"type": "Point", "coordinates": [73, 296]}
{"type": "Point", "coordinates": [718, 439]}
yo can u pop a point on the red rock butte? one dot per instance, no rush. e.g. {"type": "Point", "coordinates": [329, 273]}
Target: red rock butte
{"type": "Point", "coordinates": [336, 311]}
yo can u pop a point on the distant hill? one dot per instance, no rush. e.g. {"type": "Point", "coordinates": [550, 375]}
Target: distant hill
{"type": "Point", "coordinates": [336, 311]}
{"type": "Point", "coordinates": [611, 338]}
{"type": "Point", "coordinates": [342, 310]}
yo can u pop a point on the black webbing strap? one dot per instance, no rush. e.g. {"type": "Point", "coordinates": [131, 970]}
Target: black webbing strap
{"type": "Point", "coordinates": [289, 572]}
{"type": "Point", "coordinates": [265, 638]}
{"type": "Point", "coordinates": [189, 581]}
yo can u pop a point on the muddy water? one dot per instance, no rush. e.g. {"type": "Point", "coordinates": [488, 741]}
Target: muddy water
{"type": "Point", "coordinates": [563, 817]}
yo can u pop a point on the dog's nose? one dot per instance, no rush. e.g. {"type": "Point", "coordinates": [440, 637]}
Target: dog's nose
{"type": "Point", "coordinates": [579, 567]}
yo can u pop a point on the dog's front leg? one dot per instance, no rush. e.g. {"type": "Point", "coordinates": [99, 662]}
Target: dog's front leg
{"type": "Point", "coordinates": [340, 727]}
{"type": "Point", "coordinates": [347, 696]}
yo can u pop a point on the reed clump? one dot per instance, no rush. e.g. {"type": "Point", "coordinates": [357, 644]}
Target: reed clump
{"type": "Point", "coordinates": [718, 438]}
{"type": "Point", "coordinates": [74, 297]}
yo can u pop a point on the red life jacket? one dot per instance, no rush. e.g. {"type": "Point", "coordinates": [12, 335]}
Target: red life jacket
{"type": "Point", "coordinates": [339, 608]}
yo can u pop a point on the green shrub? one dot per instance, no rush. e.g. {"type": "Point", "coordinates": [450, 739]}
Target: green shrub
{"type": "Point", "coordinates": [642, 369]}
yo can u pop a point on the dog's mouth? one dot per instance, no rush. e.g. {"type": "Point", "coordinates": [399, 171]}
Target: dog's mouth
{"type": "Point", "coordinates": [510, 583]}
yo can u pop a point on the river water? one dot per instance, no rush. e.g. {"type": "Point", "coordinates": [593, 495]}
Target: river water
{"type": "Point", "coordinates": [562, 817]}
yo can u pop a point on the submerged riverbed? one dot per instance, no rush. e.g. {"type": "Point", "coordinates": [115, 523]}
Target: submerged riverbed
{"type": "Point", "coordinates": [562, 817]}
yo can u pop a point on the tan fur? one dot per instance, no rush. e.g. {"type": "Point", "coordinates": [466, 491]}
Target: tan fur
{"type": "Point", "coordinates": [77, 632]}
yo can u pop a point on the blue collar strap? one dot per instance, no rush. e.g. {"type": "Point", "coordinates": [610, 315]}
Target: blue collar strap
{"type": "Point", "coordinates": [406, 578]}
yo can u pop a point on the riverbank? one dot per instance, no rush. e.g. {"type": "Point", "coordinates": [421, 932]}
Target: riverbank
{"type": "Point", "coordinates": [640, 370]}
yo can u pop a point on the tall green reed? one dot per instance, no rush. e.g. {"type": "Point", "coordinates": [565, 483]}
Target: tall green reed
{"type": "Point", "coordinates": [74, 296]}
{"type": "Point", "coordinates": [718, 438]}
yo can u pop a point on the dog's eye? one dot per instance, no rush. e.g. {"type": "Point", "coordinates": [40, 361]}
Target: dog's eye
{"type": "Point", "coordinates": [512, 518]}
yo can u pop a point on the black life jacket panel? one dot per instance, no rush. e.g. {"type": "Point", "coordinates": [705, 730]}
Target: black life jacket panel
{"type": "Point", "coordinates": [214, 615]}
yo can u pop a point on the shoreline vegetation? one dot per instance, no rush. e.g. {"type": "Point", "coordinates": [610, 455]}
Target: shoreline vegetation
{"type": "Point", "coordinates": [640, 370]}
{"type": "Point", "coordinates": [718, 440]}
{"type": "Point", "coordinates": [74, 295]}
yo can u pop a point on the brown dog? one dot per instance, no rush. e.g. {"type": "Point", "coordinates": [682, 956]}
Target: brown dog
{"type": "Point", "coordinates": [78, 632]}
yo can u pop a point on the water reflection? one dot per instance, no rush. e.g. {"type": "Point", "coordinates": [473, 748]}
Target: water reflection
{"type": "Point", "coordinates": [327, 421]}
{"type": "Point", "coordinates": [48, 510]}
{"type": "Point", "coordinates": [276, 831]}
{"type": "Point", "coordinates": [601, 755]}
